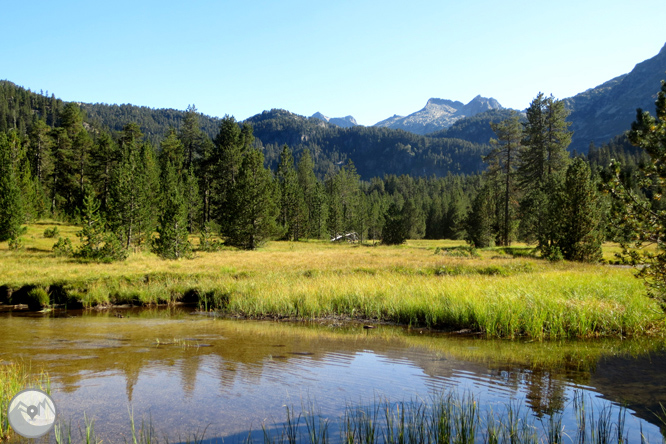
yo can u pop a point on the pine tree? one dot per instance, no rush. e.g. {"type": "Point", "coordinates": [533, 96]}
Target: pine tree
{"type": "Point", "coordinates": [193, 144]}
{"type": "Point", "coordinates": [103, 159]}
{"type": "Point", "coordinates": [190, 136]}
{"type": "Point", "coordinates": [96, 243]}
{"type": "Point", "coordinates": [479, 230]}
{"type": "Point", "coordinates": [133, 189]}
{"type": "Point", "coordinates": [228, 155]}
{"type": "Point", "coordinates": [173, 242]}
{"type": "Point", "coordinates": [81, 147]}
{"type": "Point", "coordinates": [507, 145]}
{"type": "Point", "coordinates": [11, 204]}
{"type": "Point", "coordinates": [252, 202]}
{"type": "Point", "coordinates": [307, 182]}
{"type": "Point", "coordinates": [396, 226]}
{"type": "Point", "coordinates": [205, 174]}
{"type": "Point", "coordinates": [641, 216]}
{"type": "Point", "coordinates": [39, 151]}
{"type": "Point", "coordinates": [580, 236]}
{"type": "Point", "coordinates": [292, 204]}
{"type": "Point", "coordinates": [63, 183]}
{"type": "Point", "coordinates": [543, 159]}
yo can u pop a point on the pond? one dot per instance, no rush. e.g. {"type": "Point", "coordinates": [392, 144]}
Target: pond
{"type": "Point", "coordinates": [185, 374]}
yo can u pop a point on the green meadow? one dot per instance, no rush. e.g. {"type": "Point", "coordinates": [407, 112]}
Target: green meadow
{"type": "Point", "coordinates": [499, 292]}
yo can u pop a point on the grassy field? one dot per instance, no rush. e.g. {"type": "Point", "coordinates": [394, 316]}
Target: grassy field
{"type": "Point", "coordinates": [500, 292]}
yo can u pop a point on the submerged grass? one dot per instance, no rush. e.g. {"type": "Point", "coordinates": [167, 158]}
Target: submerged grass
{"type": "Point", "coordinates": [438, 284]}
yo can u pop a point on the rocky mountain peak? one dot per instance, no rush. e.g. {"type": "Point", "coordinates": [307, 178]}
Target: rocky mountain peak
{"type": "Point", "coordinates": [439, 114]}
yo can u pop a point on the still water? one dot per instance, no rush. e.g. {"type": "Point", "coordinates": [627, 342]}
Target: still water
{"type": "Point", "coordinates": [184, 373]}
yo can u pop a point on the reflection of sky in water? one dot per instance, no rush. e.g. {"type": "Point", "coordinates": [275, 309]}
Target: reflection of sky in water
{"type": "Point", "coordinates": [247, 377]}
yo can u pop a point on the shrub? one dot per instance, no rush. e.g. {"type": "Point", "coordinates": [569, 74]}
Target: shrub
{"type": "Point", "coordinates": [15, 243]}
{"type": "Point", "coordinates": [51, 233]}
{"type": "Point", "coordinates": [63, 248]}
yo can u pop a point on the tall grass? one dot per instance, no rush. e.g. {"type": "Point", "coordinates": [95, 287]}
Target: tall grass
{"type": "Point", "coordinates": [15, 377]}
{"type": "Point", "coordinates": [496, 292]}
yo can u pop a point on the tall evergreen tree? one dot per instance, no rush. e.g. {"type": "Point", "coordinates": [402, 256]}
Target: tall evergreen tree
{"type": "Point", "coordinates": [640, 214]}
{"type": "Point", "coordinates": [40, 146]}
{"type": "Point", "coordinates": [507, 144]}
{"type": "Point", "coordinates": [396, 226]}
{"type": "Point", "coordinates": [307, 182]}
{"type": "Point", "coordinates": [103, 159]}
{"type": "Point", "coordinates": [543, 159]}
{"type": "Point", "coordinates": [479, 230]}
{"type": "Point", "coordinates": [228, 155]}
{"type": "Point", "coordinates": [580, 234]}
{"type": "Point", "coordinates": [96, 243]}
{"type": "Point", "coordinates": [172, 241]}
{"type": "Point", "coordinates": [292, 204]}
{"type": "Point", "coordinates": [63, 182]}
{"type": "Point", "coordinates": [190, 136]}
{"type": "Point", "coordinates": [252, 201]}
{"type": "Point", "coordinates": [11, 204]}
{"type": "Point", "coordinates": [132, 193]}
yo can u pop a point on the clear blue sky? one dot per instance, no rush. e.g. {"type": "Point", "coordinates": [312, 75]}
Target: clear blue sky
{"type": "Point", "coordinates": [370, 59]}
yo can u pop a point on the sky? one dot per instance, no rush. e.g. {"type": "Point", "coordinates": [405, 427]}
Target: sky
{"type": "Point", "coordinates": [368, 59]}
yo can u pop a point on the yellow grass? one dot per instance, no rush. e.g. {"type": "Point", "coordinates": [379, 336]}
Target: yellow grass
{"type": "Point", "coordinates": [415, 283]}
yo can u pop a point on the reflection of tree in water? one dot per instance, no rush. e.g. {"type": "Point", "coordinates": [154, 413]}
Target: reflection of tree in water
{"type": "Point", "coordinates": [189, 367]}
{"type": "Point", "coordinates": [545, 394]}
{"type": "Point", "coordinates": [545, 390]}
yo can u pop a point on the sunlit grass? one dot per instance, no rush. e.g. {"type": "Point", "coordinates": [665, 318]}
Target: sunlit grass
{"type": "Point", "coordinates": [501, 292]}
{"type": "Point", "coordinates": [15, 377]}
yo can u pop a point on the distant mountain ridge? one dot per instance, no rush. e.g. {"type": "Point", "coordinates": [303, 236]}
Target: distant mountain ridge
{"type": "Point", "coordinates": [342, 122]}
{"type": "Point", "coordinates": [439, 114]}
{"type": "Point", "coordinates": [601, 113]}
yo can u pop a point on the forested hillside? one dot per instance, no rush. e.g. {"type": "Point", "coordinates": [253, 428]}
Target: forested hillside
{"type": "Point", "coordinates": [283, 176]}
{"type": "Point", "coordinates": [375, 151]}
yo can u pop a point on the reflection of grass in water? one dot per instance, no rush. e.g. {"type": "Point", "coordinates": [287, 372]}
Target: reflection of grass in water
{"type": "Point", "coordinates": [15, 377]}
{"type": "Point", "coordinates": [497, 292]}
{"type": "Point", "coordinates": [549, 355]}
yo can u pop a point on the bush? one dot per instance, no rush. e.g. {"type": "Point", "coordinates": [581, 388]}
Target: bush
{"type": "Point", "coordinates": [63, 248]}
{"type": "Point", "coordinates": [51, 233]}
{"type": "Point", "coordinates": [15, 243]}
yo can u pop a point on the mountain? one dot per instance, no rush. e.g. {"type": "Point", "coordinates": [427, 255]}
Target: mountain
{"type": "Point", "coordinates": [475, 129]}
{"type": "Point", "coordinates": [600, 113]}
{"type": "Point", "coordinates": [342, 122]}
{"type": "Point", "coordinates": [375, 151]}
{"type": "Point", "coordinates": [439, 114]}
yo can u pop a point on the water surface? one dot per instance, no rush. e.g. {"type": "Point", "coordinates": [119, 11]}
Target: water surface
{"type": "Point", "coordinates": [185, 373]}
